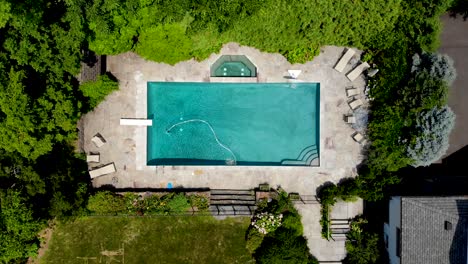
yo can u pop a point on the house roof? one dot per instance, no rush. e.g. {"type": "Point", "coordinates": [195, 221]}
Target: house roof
{"type": "Point", "coordinates": [424, 237]}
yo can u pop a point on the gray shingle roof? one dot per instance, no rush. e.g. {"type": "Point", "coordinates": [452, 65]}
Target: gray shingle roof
{"type": "Point", "coordinates": [423, 234]}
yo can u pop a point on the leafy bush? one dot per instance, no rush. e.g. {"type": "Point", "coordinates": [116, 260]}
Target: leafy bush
{"type": "Point", "coordinates": [254, 240]}
{"type": "Point", "coordinates": [266, 222]}
{"type": "Point", "coordinates": [284, 247]}
{"type": "Point", "coordinates": [200, 202]}
{"type": "Point", "coordinates": [165, 43]}
{"type": "Point", "coordinates": [98, 90]}
{"type": "Point", "coordinates": [302, 55]}
{"type": "Point", "coordinates": [361, 245]}
{"type": "Point", "coordinates": [106, 202]}
{"type": "Point", "coordinates": [422, 92]}
{"type": "Point", "coordinates": [175, 203]}
{"type": "Point", "coordinates": [434, 127]}
{"type": "Point", "coordinates": [133, 203]}
{"type": "Point", "coordinates": [328, 193]}
{"type": "Point", "coordinates": [152, 205]}
{"type": "Point", "coordinates": [292, 221]}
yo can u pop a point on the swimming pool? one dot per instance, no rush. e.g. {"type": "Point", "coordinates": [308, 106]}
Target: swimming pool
{"type": "Point", "coordinates": [270, 124]}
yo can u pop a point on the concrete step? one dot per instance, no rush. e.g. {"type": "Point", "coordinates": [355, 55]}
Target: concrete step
{"type": "Point", "coordinates": [232, 202]}
{"type": "Point", "coordinates": [232, 197]}
{"type": "Point", "coordinates": [234, 192]}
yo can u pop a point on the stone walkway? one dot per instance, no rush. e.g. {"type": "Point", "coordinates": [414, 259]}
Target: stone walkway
{"type": "Point", "coordinates": [126, 146]}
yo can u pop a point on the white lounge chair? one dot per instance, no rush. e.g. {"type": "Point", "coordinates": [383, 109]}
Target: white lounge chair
{"type": "Point", "coordinates": [355, 104]}
{"type": "Point", "coordinates": [92, 158]}
{"type": "Point", "coordinates": [358, 137]}
{"type": "Point", "coordinates": [98, 140]}
{"type": "Point", "coordinates": [357, 71]}
{"type": "Point", "coordinates": [350, 119]}
{"type": "Point", "coordinates": [350, 92]}
{"type": "Point", "coordinates": [96, 172]}
{"type": "Point", "coordinates": [135, 122]}
{"type": "Point", "coordinates": [340, 66]}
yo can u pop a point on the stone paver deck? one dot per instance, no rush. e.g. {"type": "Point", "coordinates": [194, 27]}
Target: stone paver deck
{"type": "Point", "coordinates": [126, 146]}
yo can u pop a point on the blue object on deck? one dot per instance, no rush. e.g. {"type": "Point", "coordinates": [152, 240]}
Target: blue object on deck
{"type": "Point", "coordinates": [169, 185]}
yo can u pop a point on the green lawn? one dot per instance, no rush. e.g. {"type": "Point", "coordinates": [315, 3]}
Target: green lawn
{"type": "Point", "coordinates": [149, 240]}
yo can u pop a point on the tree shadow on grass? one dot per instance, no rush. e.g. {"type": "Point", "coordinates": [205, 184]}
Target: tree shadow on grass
{"type": "Point", "coordinates": [67, 182]}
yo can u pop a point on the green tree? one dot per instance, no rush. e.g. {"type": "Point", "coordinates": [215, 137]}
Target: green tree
{"type": "Point", "coordinates": [165, 43]}
{"type": "Point", "coordinates": [432, 139]}
{"type": "Point", "coordinates": [5, 14]}
{"type": "Point", "coordinates": [96, 91]}
{"type": "Point", "coordinates": [18, 228]}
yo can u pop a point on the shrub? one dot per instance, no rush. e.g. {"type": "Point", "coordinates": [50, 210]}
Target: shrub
{"type": "Point", "coordinates": [348, 189]}
{"type": "Point", "coordinates": [133, 203]}
{"type": "Point", "coordinates": [324, 221]}
{"type": "Point", "coordinates": [292, 221]}
{"type": "Point", "coordinates": [176, 203]}
{"type": "Point", "coordinates": [361, 245]}
{"type": "Point", "coordinates": [266, 222]}
{"type": "Point", "coordinates": [439, 66]}
{"type": "Point", "coordinates": [423, 92]}
{"type": "Point", "coordinates": [282, 248]}
{"type": "Point", "coordinates": [98, 90]}
{"type": "Point", "coordinates": [328, 193]}
{"type": "Point", "coordinates": [280, 204]}
{"type": "Point", "coordinates": [302, 55]}
{"type": "Point", "coordinates": [434, 127]}
{"type": "Point", "coordinates": [106, 202]}
{"type": "Point", "coordinates": [200, 202]}
{"type": "Point", "coordinates": [152, 205]}
{"type": "Point", "coordinates": [164, 43]}
{"type": "Point", "coordinates": [254, 240]}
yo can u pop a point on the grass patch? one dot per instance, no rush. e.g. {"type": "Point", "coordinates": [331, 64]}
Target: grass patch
{"type": "Point", "coordinates": [150, 240]}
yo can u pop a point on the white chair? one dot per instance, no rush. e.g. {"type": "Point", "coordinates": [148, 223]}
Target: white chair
{"type": "Point", "coordinates": [357, 71]}
{"type": "Point", "coordinates": [92, 158]}
{"type": "Point", "coordinates": [107, 169]}
{"type": "Point", "coordinates": [355, 104]}
{"type": "Point", "coordinates": [340, 66]}
{"type": "Point", "coordinates": [350, 119]}
{"type": "Point", "coordinates": [98, 140]}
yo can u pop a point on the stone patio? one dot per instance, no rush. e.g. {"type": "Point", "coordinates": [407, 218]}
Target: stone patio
{"type": "Point", "coordinates": [126, 146]}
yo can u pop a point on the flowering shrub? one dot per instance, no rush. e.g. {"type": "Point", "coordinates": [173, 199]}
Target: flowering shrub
{"type": "Point", "coordinates": [266, 222]}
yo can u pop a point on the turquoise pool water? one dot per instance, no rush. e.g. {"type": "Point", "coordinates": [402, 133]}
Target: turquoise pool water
{"type": "Point", "coordinates": [233, 124]}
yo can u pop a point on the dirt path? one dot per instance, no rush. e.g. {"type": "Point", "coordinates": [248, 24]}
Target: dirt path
{"type": "Point", "coordinates": [44, 237]}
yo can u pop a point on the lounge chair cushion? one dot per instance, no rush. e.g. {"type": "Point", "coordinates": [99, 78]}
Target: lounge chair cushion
{"type": "Point", "coordinates": [96, 172]}
{"type": "Point", "coordinates": [358, 137]}
{"type": "Point", "coordinates": [352, 92]}
{"type": "Point", "coordinates": [340, 66]}
{"type": "Point", "coordinates": [357, 71]}
{"type": "Point", "coordinates": [98, 140]}
{"type": "Point", "coordinates": [355, 104]}
{"type": "Point", "coordinates": [92, 158]}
